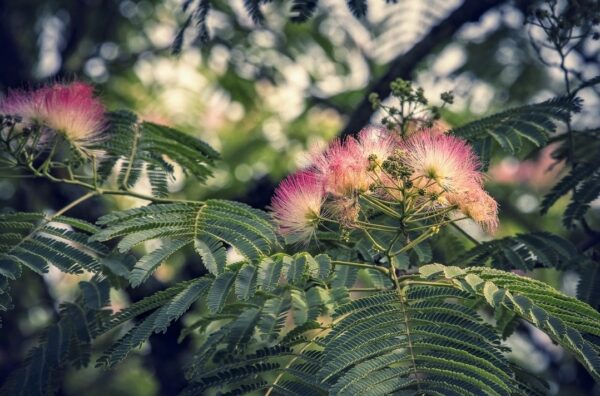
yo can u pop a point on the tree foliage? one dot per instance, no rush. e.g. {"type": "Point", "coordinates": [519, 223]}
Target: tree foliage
{"type": "Point", "coordinates": [359, 308]}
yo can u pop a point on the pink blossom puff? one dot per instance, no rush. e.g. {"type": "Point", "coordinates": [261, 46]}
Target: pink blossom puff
{"type": "Point", "coordinates": [25, 104]}
{"type": "Point", "coordinates": [296, 206]}
{"type": "Point", "coordinates": [343, 168]}
{"type": "Point", "coordinates": [478, 205]}
{"type": "Point", "coordinates": [440, 163]}
{"type": "Point", "coordinates": [378, 142]}
{"type": "Point", "coordinates": [67, 109]}
{"type": "Point", "coordinates": [73, 111]}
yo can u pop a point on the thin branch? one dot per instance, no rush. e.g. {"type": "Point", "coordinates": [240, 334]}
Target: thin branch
{"type": "Point", "coordinates": [365, 289]}
{"type": "Point", "coordinates": [361, 265]}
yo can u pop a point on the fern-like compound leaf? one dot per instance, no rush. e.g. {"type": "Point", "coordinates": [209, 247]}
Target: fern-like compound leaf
{"type": "Point", "coordinates": [281, 369]}
{"type": "Point", "coordinates": [138, 147]}
{"type": "Point", "coordinates": [157, 321]}
{"type": "Point", "coordinates": [511, 127]}
{"type": "Point", "coordinates": [522, 251]}
{"type": "Point", "coordinates": [67, 342]}
{"type": "Point", "coordinates": [570, 322]}
{"type": "Point", "coordinates": [209, 226]}
{"type": "Point", "coordinates": [415, 342]}
{"type": "Point", "coordinates": [36, 241]}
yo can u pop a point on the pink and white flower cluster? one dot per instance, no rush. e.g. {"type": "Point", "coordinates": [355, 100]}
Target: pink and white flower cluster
{"type": "Point", "coordinates": [438, 164]}
{"type": "Point", "coordinates": [445, 165]}
{"type": "Point", "coordinates": [68, 109]}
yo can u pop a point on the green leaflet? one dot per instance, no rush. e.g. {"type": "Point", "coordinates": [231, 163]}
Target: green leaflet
{"type": "Point", "coordinates": [259, 370]}
{"type": "Point", "coordinates": [271, 274]}
{"type": "Point", "coordinates": [68, 341]}
{"type": "Point", "coordinates": [220, 290]}
{"type": "Point", "coordinates": [169, 310]}
{"type": "Point", "coordinates": [582, 180]}
{"type": "Point", "coordinates": [148, 264]}
{"type": "Point", "coordinates": [587, 289]}
{"type": "Point", "coordinates": [245, 282]}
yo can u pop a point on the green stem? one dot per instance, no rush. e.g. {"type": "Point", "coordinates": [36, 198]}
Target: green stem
{"type": "Point", "coordinates": [373, 241]}
{"type": "Point", "coordinates": [101, 191]}
{"type": "Point", "coordinates": [414, 242]}
{"type": "Point", "coordinates": [146, 197]}
{"type": "Point", "coordinates": [49, 219]}
{"type": "Point", "coordinates": [406, 319]}
{"type": "Point", "coordinates": [434, 213]}
{"type": "Point", "coordinates": [378, 227]}
{"type": "Point", "coordinates": [44, 167]}
{"type": "Point", "coordinates": [381, 207]}
{"type": "Point", "coordinates": [361, 265]}
{"type": "Point", "coordinates": [389, 249]}
{"type": "Point", "coordinates": [70, 206]}
{"type": "Point", "coordinates": [365, 289]}
{"type": "Point", "coordinates": [94, 172]}
{"type": "Point", "coordinates": [136, 137]}
{"type": "Point", "coordinates": [442, 282]}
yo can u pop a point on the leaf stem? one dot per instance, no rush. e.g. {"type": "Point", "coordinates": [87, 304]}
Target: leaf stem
{"type": "Point", "coordinates": [361, 265]}
{"type": "Point", "coordinates": [406, 319]}
{"type": "Point", "coordinates": [365, 289]}
{"type": "Point", "coordinates": [381, 207]}
{"type": "Point", "coordinates": [414, 242]}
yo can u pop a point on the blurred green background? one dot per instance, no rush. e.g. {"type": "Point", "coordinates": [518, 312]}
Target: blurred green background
{"type": "Point", "coordinates": [262, 96]}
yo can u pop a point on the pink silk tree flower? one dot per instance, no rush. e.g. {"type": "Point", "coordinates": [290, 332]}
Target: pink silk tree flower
{"type": "Point", "coordinates": [479, 206]}
{"type": "Point", "coordinates": [73, 111]}
{"type": "Point", "coordinates": [25, 104]}
{"type": "Point", "coordinates": [296, 206]}
{"type": "Point", "coordinates": [343, 168]}
{"type": "Point", "coordinates": [353, 165]}
{"type": "Point", "coordinates": [447, 166]}
{"type": "Point", "coordinates": [377, 142]}
{"type": "Point", "coordinates": [377, 145]}
{"type": "Point", "coordinates": [440, 163]}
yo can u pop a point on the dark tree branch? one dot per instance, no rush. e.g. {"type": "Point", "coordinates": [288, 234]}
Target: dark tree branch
{"type": "Point", "coordinates": [404, 64]}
